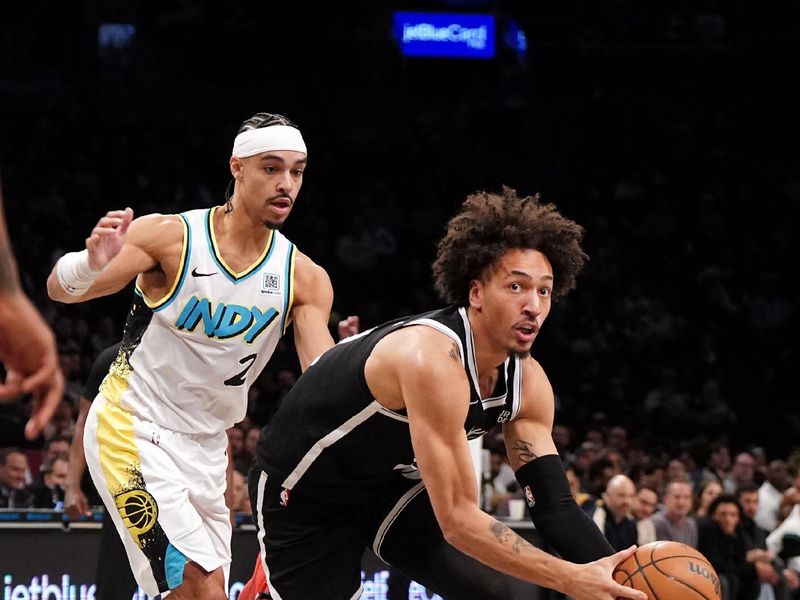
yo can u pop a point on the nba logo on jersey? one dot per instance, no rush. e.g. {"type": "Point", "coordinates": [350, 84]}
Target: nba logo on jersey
{"type": "Point", "coordinates": [529, 496]}
{"type": "Point", "coordinates": [271, 284]}
{"type": "Point", "coordinates": [285, 497]}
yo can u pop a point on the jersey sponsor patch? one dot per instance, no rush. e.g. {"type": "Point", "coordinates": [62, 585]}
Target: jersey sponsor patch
{"type": "Point", "coordinates": [529, 496]}
{"type": "Point", "coordinates": [271, 284]}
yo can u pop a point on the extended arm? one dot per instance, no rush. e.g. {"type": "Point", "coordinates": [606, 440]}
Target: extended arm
{"type": "Point", "coordinates": [27, 345]}
{"type": "Point", "coordinates": [311, 309]}
{"type": "Point", "coordinates": [117, 250]}
{"type": "Point", "coordinates": [540, 473]}
{"type": "Point", "coordinates": [75, 502]}
{"type": "Point", "coordinates": [434, 388]}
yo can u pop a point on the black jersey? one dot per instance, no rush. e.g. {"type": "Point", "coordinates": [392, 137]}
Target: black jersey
{"type": "Point", "coordinates": [330, 439]}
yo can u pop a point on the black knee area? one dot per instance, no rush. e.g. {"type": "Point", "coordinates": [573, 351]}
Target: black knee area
{"type": "Point", "coordinates": [564, 525]}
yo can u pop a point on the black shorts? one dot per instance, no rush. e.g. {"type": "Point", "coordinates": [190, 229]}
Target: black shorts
{"type": "Point", "coordinates": [313, 549]}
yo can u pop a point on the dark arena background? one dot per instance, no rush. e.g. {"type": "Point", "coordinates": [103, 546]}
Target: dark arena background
{"type": "Point", "coordinates": [669, 130]}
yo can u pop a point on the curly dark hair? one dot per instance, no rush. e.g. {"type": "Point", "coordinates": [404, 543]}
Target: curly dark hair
{"type": "Point", "coordinates": [490, 224]}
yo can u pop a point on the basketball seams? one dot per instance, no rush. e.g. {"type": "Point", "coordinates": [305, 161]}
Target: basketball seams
{"type": "Point", "coordinates": [643, 558]}
{"type": "Point", "coordinates": [644, 575]}
{"type": "Point", "coordinates": [681, 581]}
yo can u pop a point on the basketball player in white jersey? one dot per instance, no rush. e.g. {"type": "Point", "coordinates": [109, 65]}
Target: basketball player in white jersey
{"type": "Point", "coordinates": [215, 290]}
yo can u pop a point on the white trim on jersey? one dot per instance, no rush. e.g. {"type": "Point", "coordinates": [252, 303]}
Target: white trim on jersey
{"type": "Point", "coordinates": [473, 370]}
{"type": "Point", "coordinates": [329, 440]}
{"type": "Point", "coordinates": [393, 415]}
{"type": "Point", "coordinates": [392, 516]}
{"type": "Point", "coordinates": [516, 401]}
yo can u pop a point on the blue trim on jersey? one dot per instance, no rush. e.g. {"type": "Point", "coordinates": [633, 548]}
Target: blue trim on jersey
{"type": "Point", "coordinates": [174, 562]}
{"type": "Point", "coordinates": [287, 291]}
{"type": "Point", "coordinates": [252, 270]}
{"type": "Point", "coordinates": [185, 266]}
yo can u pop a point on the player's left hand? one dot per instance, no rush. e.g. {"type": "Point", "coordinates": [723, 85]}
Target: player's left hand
{"type": "Point", "coordinates": [349, 326]}
{"type": "Point", "coordinates": [28, 352]}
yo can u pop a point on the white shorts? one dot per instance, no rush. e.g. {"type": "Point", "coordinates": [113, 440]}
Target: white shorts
{"type": "Point", "coordinates": [164, 491]}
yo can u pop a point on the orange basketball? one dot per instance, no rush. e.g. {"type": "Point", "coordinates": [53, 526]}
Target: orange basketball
{"type": "Point", "coordinates": [669, 571]}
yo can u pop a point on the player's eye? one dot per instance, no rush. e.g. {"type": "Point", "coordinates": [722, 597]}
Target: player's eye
{"type": "Point", "coordinates": [515, 287]}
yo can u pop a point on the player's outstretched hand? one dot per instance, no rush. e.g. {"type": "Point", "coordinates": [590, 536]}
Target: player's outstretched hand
{"type": "Point", "coordinates": [594, 580]}
{"type": "Point", "coordinates": [107, 237]}
{"type": "Point", "coordinates": [349, 326]}
{"type": "Point", "coordinates": [29, 356]}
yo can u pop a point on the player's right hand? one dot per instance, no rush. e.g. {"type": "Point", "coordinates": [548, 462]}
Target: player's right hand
{"type": "Point", "coordinates": [75, 503]}
{"type": "Point", "coordinates": [28, 352]}
{"type": "Point", "coordinates": [594, 581]}
{"type": "Point", "coordinates": [107, 237]}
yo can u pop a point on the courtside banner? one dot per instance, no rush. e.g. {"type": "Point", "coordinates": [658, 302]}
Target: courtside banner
{"type": "Point", "coordinates": [445, 35]}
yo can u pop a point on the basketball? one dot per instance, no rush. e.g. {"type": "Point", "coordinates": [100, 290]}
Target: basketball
{"type": "Point", "coordinates": [669, 571]}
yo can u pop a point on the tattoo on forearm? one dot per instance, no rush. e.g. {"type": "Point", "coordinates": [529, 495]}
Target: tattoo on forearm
{"type": "Point", "coordinates": [454, 353]}
{"type": "Point", "coordinates": [506, 536]}
{"type": "Point", "coordinates": [524, 451]}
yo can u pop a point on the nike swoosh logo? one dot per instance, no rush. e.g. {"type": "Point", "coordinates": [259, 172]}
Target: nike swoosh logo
{"type": "Point", "coordinates": [196, 274]}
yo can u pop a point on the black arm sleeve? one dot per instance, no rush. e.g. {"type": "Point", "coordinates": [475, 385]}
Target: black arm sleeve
{"type": "Point", "coordinates": [99, 371]}
{"type": "Point", "coordinates": [557, 517]}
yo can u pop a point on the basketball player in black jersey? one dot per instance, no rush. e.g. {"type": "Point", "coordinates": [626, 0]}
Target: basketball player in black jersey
{"type": "Point", "coordinates": [370, 446]}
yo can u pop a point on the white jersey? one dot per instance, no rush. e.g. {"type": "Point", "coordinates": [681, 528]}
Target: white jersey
{"type": "Point", "coordinates": [187, 360]}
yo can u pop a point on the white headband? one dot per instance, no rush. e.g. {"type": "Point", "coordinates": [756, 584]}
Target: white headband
{"type": "Point", "coordinates": [274, 137]}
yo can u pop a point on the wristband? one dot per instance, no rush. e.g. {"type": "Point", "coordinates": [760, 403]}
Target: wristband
{"type": "Point", "coordinates": [74, 274]}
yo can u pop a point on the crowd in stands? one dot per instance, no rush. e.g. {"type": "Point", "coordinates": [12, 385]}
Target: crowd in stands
{"type": "Point", "coordinates": [661, 129]}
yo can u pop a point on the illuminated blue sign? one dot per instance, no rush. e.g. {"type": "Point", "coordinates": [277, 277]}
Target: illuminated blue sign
{"type": "Point", "coordinates": [445, 34]}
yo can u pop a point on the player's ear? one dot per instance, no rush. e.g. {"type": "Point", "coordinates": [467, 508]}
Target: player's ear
{"type": "Point", "coordinates": [476, 294]}
{"type": "Point", "coordinates": [236, 167]}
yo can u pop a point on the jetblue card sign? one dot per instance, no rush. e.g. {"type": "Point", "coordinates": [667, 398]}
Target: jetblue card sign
{"type": "Point", "coordinates": [445, 34]}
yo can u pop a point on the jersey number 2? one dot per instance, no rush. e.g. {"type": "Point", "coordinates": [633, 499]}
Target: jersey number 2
{"type": "Point", "coordinates": [238, 379]}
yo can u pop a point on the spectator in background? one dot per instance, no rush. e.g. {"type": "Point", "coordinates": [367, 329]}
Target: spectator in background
{"type": "Point", "coordinates": [575, 478]}
{"type": "Point", "coordinates": [648, 473]}
{"type": "Point", "coordinates": [13, 466]}
{"type": "Point", "coordinates": [770, 494]}
{"type": "Point", "coordinates": [613, 514]}
{"type": "Point", "coordinates": [241, 460]}
{"type": "Point", "coordinates": [618, 439]}
{"type": "Point", "coordinates": [770, 572]}
{"type": "Point", "coordinates": [645, 503]}
{"type": "Point", "coordinates": [673, 523]}
{"type": "Point", "coordinates": [57, 447]}
{"type": "Point", "coordinates": [600, 472]}
{"type": "Point", "coordinates": [503, 486]}
{"type": "Point", "coordinates": [675, 471]}
{"type": "Point", "coordinates": [62, 424]}
{"type": "Point", "coordinates": [48, 492]}
{"type": "Point", "coordinates": [725, 550]}
{"type": "Point", "coordinates": [251, 441]}
{"type": "Point", "coordinates": [704, 494]}
{"type": "Point", "coordinates": [562, 438]}
{"type": "Point", "coordinates": [784, 542]}
{"type": "Point", "coordinates": [719, 461]}
{"type": "Point", "coordinates": [742, 471]}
